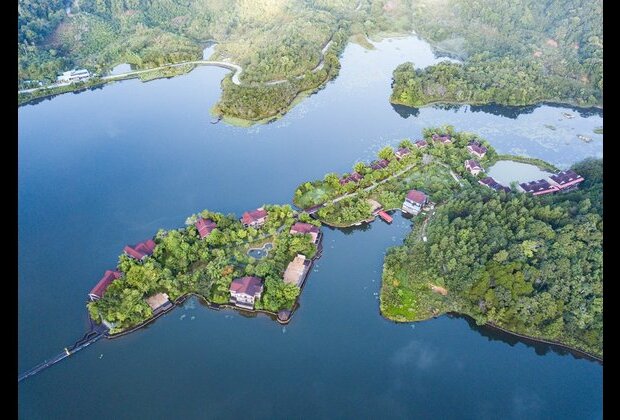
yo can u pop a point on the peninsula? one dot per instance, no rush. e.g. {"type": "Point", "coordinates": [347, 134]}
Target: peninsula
{"type": "Point", "coordinates": [526, 258]}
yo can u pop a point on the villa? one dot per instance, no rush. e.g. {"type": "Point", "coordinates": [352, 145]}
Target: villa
{"type": "Point", "coordinates": [354, 177]}
{"type": "Point", "coordinates": [566, 180]}
{"type": "Point", "coordinates": [473, 167]}
{"type": "Point", "coordinates": [381, 164]}
{"type": "Point", "coordinates": [420, 144]}
{"type": "Point", "coordinates": [254, 218]}
{"type": "Point", "coordinates": [443, 139]}
{"type": "Point", "coordinates": [159, 303]}
{"type": "Point", "coordinates": [414, 202]}
{"type": "Point", "coordinates": [244, 291]}
{"type": "Point", "coordinates": [205, 227]}
{"type": "Point", "coordinates": [100, 288]}
{"type": "Point", "coordinates": [296, 270]}
{"type": "Point", "coordinates": [301, 228]}
{"type": "Point", "coordinates": [402, 152]}
{"type": "Point", "coordinates": [475, 148]}
{"type": "Point", "coordinates": [539, 187]}
{"type": "Point", "coordinates": [493, 184]}
{"type": "Point", "coordinates": [141, 250]}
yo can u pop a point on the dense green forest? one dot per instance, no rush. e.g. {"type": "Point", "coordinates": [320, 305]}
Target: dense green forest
{"type": "Point", "coordinates": [184, 263]}
{"type": "Point", "coordinates": [514, 53]}
{"type": "Point", "coordinates": [532, 265]}
{"type": "Point", "coordinates": [271, 39]}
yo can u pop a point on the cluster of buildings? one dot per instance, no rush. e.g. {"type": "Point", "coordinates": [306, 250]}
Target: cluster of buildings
{"type": "Point", "coordinates": [73, 76]}
{"type": "Point", "coordinates": [245, 291]}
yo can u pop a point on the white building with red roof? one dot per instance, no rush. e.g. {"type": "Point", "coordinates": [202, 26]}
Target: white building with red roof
{"type": "Point", "coordinates": [100, 288]}
{"type": "Point", "coordinates": [141, 250]}
{"type": "Point", "coordinates": [414, 201]}
{"type": "Point", "coordinates": [254, 218]}
{"type": "Point", "coordinates": [244, 291]}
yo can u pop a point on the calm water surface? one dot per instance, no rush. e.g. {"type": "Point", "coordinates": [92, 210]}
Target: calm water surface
{"type": "Point", "coordinates": [110, 166]}
{"type": "Point", "coordinates": [507, 171]}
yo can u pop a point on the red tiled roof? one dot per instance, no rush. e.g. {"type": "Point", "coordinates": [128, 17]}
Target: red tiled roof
{"type": "Point", "coordinates": [402, 151]}
{"type": "Point", "coordinates": [354, 177]}
{"type": "Point", "coordinates": [416, 196]}
{"type": "Point", "coordinates": [491, 183]}
{"type": "Point", "coordinates": [205, 226]}
{"type": "Point", "coordinates": [301, 227]}
{"type": "Point", "coordinates": [140, 250]}
{"type": "Point", "coordinates": [541, 186]}
{"type": "Point", "coordinates": [253, 216]}
{"type": "Point", "coordinates": [472, 164]}
{"type": "Point", "coordinates": [108, 277]}
{"type": "Point", "coordinates": [421, 143]}
{"type": "Point", "coordinates": [379, 164]}
{"type": "Point", "coordinates": [249, 285]}
{"type": "Point", "coordinates": [566, 178]}
{"type": "Point", "coordinates": [443, 138]}
{"type": "Point", "coordinates": [477, 148]}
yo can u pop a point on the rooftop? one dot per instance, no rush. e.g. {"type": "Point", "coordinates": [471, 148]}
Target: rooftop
{"type": "Point", "coordinates": [157, 300]}
{"type": "Point", "coordinates": [205, 226]}
{"type": "Point", "coordinates": [416, 196]}
{"type": "Point", "coordinates": [249, 285]}
{"type": "Point", "coordinates": [295, 270]}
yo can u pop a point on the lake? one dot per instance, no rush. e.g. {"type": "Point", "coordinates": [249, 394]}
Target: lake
{"type": "Point", "coordinates": [108, 167]}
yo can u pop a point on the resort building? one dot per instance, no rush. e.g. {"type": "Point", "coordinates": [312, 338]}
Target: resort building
{"type": "Point", "coordinates": [73, 75]}
{"type": "Point", "coordinates": [100, 288]}
{"type": "Point", "coordinates": [301, 228]}
{"type": "Point", "coordinates": [244, 291]}
{"type": "Point", "coordinates": [159, 302]}
{"type": "Point", "coordinates": [380, 164]}
{"type": "Point", "coordinates": [566, 180]}
{"type": "Point", "coordinates": [493, 184]}
{"type": "Point", "coordinates": [141, 250]}
{"type": "Point", "coordinates": [473, 167]}
{"type": "Point", "coordinates": [205, 227]}
{"type": "Point", "coordinates": [254, 218]}
{"type": "Point", "coordinates": [477, 149]}
{"type": "Point", "coordinates": [354, 177]}
{"type": "Point", "coordinates": [420, 144]}
{"type": "Point", "coordinates": [414, 202]}
{"type": "Point", "coordinates": [296, 270]}
{"type": "Point", "coordinates": [539, 187]}
{"type": "Point", "coordinates": [443, 139]}
{"type": "Point", "coordinates": [402, 152]}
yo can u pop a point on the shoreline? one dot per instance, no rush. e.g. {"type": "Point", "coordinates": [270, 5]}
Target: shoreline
{"type": "Point", "coordinates": [491, 325]}
{"type": "Point", "coordinates": [549, 102]}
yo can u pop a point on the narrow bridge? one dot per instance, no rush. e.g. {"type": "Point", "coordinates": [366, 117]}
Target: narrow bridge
{"type": "Point", "coordinates": [94, 334]}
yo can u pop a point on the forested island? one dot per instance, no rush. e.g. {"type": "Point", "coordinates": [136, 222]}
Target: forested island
{"type": "Point", "coordinates": [204, 259]}
{"type": "Point", "coordinates": [286, 48]}
{"type": "Point", "coordinates": [513, 53]}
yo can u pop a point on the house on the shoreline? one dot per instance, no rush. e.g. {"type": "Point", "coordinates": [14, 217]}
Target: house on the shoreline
{"type": "Point", "coordinates": [473, 167]}
{"type": "Point", "coordinates": [402, 152]}
{"type": "Point", "coordinates": [245, 291]}
{"type": "Point", "coordinates": [301, 228]}
{"type": "Point", "coordinates": [159, 302]}
{"type": "Point", "coordinates": [540, 187]}
{"type": "Point", "coordinates": [73, 76]}
{"type": "Point", "coordinates": [379, 164]}
{"type": "Point", "coordinates": [141, 250]}
{"type": "Point", "coordinates": [421, 144]}
{"type": "Point", "coordinates": [489, 182]}
{"type": "Point", "coordinates": [566, 180]}
{"type": "Point", "coordinates": [296, 270]}
{"type": "Point", "coordinates": [354, 177]}
{"type": "Point", "coordinates": [108, 277]}
{"type": "Point", "coordinates": [254, 218]}
{"type": "Point", "coordinates": [443, 138]}
{"type": "Point", "coordinates": [414, 201]}
{"type": "Point", "coordinates": [205, 227]}
{"type": "Point", "coordinates": [477, 149]}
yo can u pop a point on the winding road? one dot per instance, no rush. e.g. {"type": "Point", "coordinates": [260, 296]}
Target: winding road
{"type": "Point", "coordinates": [225, 64]}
